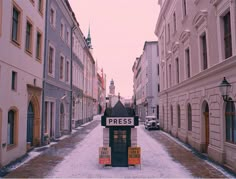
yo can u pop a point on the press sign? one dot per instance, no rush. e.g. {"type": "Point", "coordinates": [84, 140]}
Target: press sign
{"type": "Point", "coordinates": [119, 121]}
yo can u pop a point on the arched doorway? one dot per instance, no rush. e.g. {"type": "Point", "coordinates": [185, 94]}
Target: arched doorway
{"type": "Point", "coordinates": [30, 124]}
{"type": "Point", "coordinates": [62, 118]}
{"type": "Point", "coordinates": [206, 126]}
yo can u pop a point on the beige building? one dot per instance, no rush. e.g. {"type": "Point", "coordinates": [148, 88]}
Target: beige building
{"type": "Point", "coordinates": [21, 74]}
{"type": "Point", "coordinates": [197, 47]}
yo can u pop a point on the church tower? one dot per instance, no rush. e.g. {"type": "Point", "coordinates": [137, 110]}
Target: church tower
{"type": "Point", "coordinates": [112, 87]}
{"type": "Point", "coordinates": [88, 39]}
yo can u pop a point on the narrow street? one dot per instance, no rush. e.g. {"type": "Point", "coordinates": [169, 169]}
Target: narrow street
{"type": "Point", "coordinates": [77, 156]}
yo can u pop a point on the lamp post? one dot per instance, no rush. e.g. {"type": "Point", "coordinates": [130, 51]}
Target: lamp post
{"type": "Point", "coordinates": [225, 87]}
{"type": "Point", "coordinates": [107, 100]}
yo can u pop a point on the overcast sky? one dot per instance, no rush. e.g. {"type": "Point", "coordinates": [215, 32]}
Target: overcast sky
{"type": "Point", "coordinates": [118, 29]}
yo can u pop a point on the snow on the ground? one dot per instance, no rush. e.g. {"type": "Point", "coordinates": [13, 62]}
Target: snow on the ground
{"type": "Point", "coordinates": [82, 162]}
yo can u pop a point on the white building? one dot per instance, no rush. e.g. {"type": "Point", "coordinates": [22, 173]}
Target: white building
{"type": "Point", "coordinates": [197, 45]}
{"type": "Point", "coordinates": [89, 99]}
{"type": "Point", "coordinates": [146, 80]}
{"type": "Point", "coordinates": [78, 76]}
{"type": "Point", "coordinates": [21, 72]}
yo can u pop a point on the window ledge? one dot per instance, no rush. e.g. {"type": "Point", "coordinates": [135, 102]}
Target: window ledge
{"type": "Point", "coordinates": [16, 43]}
{"type": "Point", "coordinates": [231, 145]}
{"type": "Point", "coordinates": [11, 146]}
{"type": "Point", "coordinates": [28, 52]}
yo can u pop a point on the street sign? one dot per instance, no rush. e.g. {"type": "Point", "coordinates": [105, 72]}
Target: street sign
{"type": "Point", "coordinates": [119, 121]}
{"type": "Point", "coordinates": [105, 155]}
{"type": "Point", "coordinates": [134, 155]}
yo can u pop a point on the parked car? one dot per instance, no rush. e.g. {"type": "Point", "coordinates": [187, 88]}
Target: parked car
{"type": "Point", "coordinates": [151, 122]}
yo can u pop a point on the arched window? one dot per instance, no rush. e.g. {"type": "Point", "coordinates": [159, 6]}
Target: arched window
{"type": "Point", "coordinates": [11, 127]}
{"type": "Point", "coordinates": [171, 115]}
{"type": "Point", "coordinates": [230, 122]}
{"type": "Point", "coordinates": [189, 117]}
{"type": "Point", "coordinates": [179, 116]}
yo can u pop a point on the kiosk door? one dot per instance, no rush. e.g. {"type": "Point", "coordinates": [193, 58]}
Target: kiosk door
{"type": "Point", "coordinates": [120, 141]}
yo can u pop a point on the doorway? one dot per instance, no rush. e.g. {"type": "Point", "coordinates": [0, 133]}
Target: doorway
{"type": "Point", "coordinates": [119, 143]}
{"type": "Point", "coordinates": [62, 118]}
{"type": "Point", "coordinates": [30, 124]}
{"type": "Point", "coordinates": [207, 126]}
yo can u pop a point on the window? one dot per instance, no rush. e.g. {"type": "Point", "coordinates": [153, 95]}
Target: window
{"type": "Point", "coordinates": [51, 60]}
{"type": "Point", "coordinates": [179, 116]}
{"type": "Point", "coordinates": [158, 70]}
{"type": "Point", "coordinates": [187, 57]}
{"type": "Point", "coordinates": [174, 20]}
{"type": "Point", "coordinates": [158, 88]}
{"type": "Point", "coordinates": [204, 51]}
{"type": "Point", "coordinates": [28, 37]}
{"type": "Point", "coordinates": [62, 32]}
{"type": "Point", "coordinates": [230, 122]}
{"type": "Point", "coordinates": [169, 75]}
{"type": "Point", "coordinates": [11, 128]}
{"type": "Point", "coordinates": [62, 68]}
{"type": "Point", "coordinates": [171, 115]}
{"type": "Point", "coordinates": [184, 8]}
{"type": "Point", "coordinates": [227, 36]}
{"type": "Point", "coordinates": [177, 70]}
{"type": "Point", "coordinates": [189, 117]}
{"type": "Point", "coordinates": [13, 80]}
{"type": "Point", "coordinates": [168, 37]}
{"type": "Point", "coordinates": [68, 37]}
{"type": "Point", "coordinates": [16, 20]}
{"type": "Point", "coordinates": [53, 17]}
{"type": "Point", "coordinates": [67, 71]}
{"type": "Point", "coordinates": [40, 6]}
{"type": "Point", "coordinates": [39, 46]}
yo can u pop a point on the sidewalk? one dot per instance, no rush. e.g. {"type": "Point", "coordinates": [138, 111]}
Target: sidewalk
{"type": "Point", "coordinates": [197, 163]}
{"type": "Point", "coordinates": [42, 157]}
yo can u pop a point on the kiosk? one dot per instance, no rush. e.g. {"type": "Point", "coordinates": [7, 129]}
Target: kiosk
{"type": "Point", "coordinates": [120, 134]}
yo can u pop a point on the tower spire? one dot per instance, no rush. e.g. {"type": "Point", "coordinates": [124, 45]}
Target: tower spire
{"type": "Point", "coordinates": [88, 39]}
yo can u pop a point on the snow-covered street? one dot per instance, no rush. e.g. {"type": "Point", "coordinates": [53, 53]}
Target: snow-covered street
{"type": "Point", "coordinates": [83, 161]}
{"type": "Point", "coordinates": [76, 156]}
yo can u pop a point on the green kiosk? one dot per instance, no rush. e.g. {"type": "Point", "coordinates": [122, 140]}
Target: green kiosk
{"type": "Point", "coordinates": [119, 135]}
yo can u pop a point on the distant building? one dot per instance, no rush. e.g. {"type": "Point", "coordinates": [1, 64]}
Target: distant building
{"type": "Point", "coordinates": [89, 95]}
{"type": "Point", "coordinates": [146, 81]}
{"type": "Point", "coordinates": [197, 44]}
{"type": "Point", "coordinates": [101, 91]}
{"type": "Point", "coordinates": [112, 88]}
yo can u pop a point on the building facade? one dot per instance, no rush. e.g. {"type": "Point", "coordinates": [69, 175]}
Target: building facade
{"type": "Point", "coordinates": [146, 81]}
{"type": "Point", "coordinates": [101, 91]}
{"type": "Point", "coordinates": [57, 72]}
{"type": "Point", "coordinates": [196, 51]}
{"type": "Point", "coordinates": [21, 74]}
{"type": "Point", "coordinates": [89, 99]}
{"type": "Point", "coordinates": [78, 44]}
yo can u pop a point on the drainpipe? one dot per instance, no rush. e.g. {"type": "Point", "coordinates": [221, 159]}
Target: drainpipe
{"type": "Point", "coordinates": [44, 75]}
{"type": "Point", "coordinates": [71, 74]}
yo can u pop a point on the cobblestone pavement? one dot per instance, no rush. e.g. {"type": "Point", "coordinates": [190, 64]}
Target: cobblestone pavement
{"type": "Point", "coordinates": [40, 166]}
{"type": "Point", "coordinates": [191, 160]}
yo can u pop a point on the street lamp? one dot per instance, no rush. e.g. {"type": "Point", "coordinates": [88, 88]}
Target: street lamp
{"type": "Point", "coordinates": [107, 100]}
{"type": "Point", "coordinates": [225, 87]}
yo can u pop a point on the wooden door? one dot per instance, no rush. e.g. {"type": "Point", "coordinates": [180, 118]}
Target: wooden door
{"type": "Point", "coordinates": [207, 135]}
{"type": "Point", "coordinates": [119, 143]}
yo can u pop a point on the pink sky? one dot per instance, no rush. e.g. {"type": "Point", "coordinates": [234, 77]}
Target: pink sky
{"type": "Point", "coordinates": [118, 29]}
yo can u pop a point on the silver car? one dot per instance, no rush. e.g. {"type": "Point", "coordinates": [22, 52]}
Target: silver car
{"type": "Point", "coordinates": [151, 122]}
